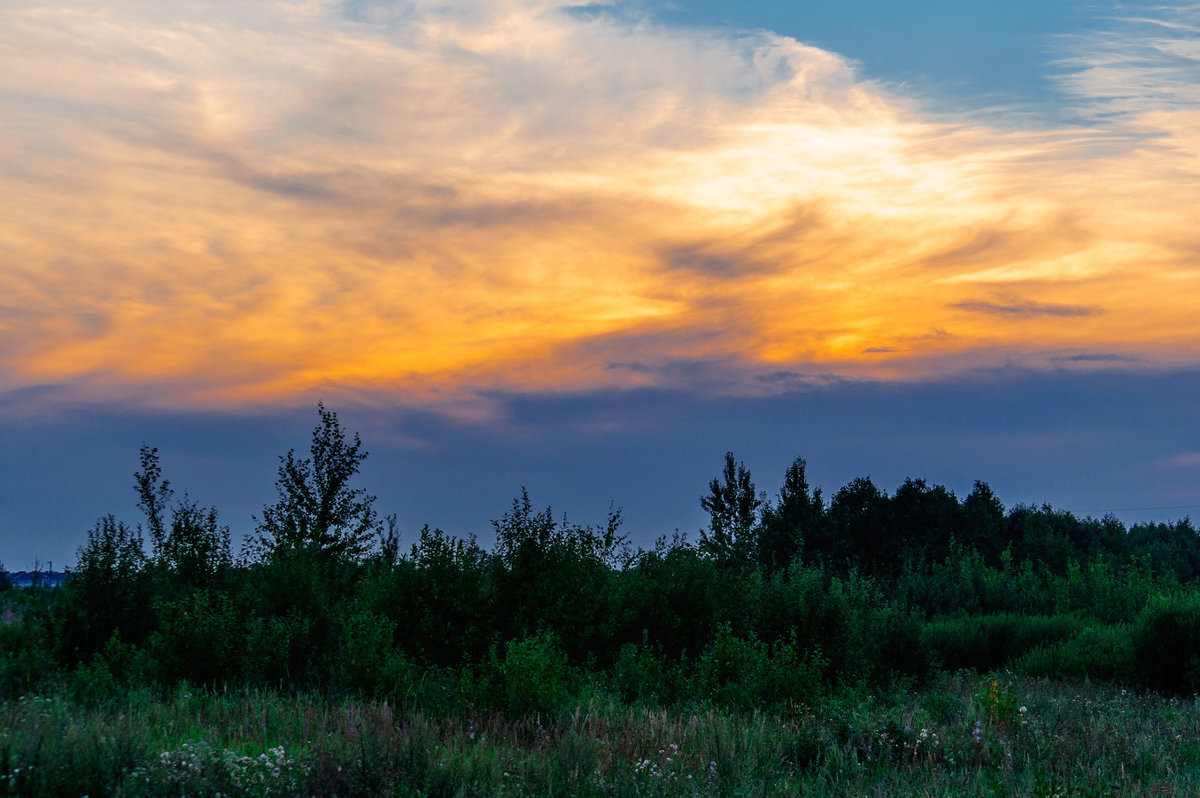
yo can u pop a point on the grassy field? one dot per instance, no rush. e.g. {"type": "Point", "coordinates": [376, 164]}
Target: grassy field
{"type": "Point", "coordinates": [962, 734]}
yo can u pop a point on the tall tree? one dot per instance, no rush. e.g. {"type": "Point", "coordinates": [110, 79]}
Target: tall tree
{"type": "Point", "coordinates": [154, 497]}
{"type": "Point", "coordinates": [110, 590]}
{"type": "Point", "coordinates": [193, 548]}
{"type": "Point", "coordinates": [732, 506]}
{"type": "Point", "coordinates": [861, 529]}
{"type": "Point", "coordinates": [787, 525]}
{"type": "Point", "coordinates": [318, 512]}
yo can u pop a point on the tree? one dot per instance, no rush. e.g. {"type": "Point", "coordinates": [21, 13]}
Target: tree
{"type": "Point", "coordinates": [861, 529]}
{"type": "Point", "coordinates": [786, 526]}
{"type": "Point", "coordinates": [732, 505]}
{"type": "Point", "coordinates": [110, 589]}
{"type": "Point", "coordinates": [154, 496]}
{"type": "Point", "coordinates": [926, 519]}
{"type": "Point", "coordinates": [983, 522]}
{"type": "Point", "coordinates": [193, 548]}
{"type": "Point", "coordinates": [318, 512]}
{"type": "Point", "coordinates": [557, 574]}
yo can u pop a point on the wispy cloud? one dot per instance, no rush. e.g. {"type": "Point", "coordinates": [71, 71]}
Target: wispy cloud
{"type": "Point", "coordinates": [1096, 357]}
{"type": "Point", "coordinates": [1025, 309]}
{"type": "Point", "coordinates": [220, 202]}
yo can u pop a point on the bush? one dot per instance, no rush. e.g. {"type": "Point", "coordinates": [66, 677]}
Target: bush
{"type": "Point", "coordinates": [366, 655]}
{"type": "Point", "coordinates": [25, 658]}
{"type": "Point", "coordinates": [637, 675]}
{"type": "Point", "coordinates": [277, 650]}
{"type": "Point", "coordinates": [196, 639]}
{"type": "Point", "coordinates": [534, 676]}
{"type": "Point", "coordinates": [991, 641]}
{"type": "Point", "coordinates": [744, 674]}
{"type": "Point", "coordinates": [1166, 644]}
{"type": "Point", "coordinates": [1097, 652]}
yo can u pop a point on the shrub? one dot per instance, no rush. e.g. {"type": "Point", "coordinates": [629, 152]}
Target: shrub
{"type": "Point", "coordinates": [744, 674]}
{"type": "Point", "coordinates": [637, 675]}
{"type": "Point", "coordinates": [198, 768]}
{"type": "Point", "coordinates": [366, 653]}
{"type": "Point", "coordinates": [1097, 652]}
{"type": "Point", "coordinates": [534, 676]}
{"type": "Point", "coordinates": [991, 641]}
{"type": "Point", "coordinates": [1166, 644]}
{"type": "Point", "coordinates": [196, 639]}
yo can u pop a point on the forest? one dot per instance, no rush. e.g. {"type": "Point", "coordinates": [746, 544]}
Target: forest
{"type": "Point", "coordinates": [862, 643]}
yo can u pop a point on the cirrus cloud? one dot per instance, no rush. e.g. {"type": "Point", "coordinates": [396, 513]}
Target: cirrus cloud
{"type": "Point", "coordinates": [224, 202]}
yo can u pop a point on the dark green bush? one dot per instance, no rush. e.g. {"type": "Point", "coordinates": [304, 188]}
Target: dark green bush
{"type": "Point", "coordinates": [1097, 652]}
{"type": "Point", "coordinates": [991, 641]}
{"type": "Point", "coordinates": [1166, 644]}
{"type": "Point", "coordinates": [534, 676]}
{"type": "Point", "coordinates": [197, 639]}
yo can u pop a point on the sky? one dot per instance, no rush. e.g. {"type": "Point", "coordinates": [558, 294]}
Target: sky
{"type": "Point", "coordinates": [588, 248]}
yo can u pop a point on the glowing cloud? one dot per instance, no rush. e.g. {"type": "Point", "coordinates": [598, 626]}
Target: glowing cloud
{"type": "Point", "coordinates": [224, 202]}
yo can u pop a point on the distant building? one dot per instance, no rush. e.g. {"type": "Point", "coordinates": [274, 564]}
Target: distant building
{"type": "Point", "coordinates": [32, 578]}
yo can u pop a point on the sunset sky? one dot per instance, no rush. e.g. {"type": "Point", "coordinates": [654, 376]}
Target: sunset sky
{"type": "Point", "coordinates": [590, 247]}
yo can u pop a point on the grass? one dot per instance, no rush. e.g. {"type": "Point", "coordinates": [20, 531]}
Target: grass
{"type": "Point", "coordinates": [962, 734]}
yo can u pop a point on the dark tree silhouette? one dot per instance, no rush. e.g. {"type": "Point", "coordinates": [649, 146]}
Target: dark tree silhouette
{"type": "Point", "coordinates": [787, 525]}
{"type": "Point", "coordinates": [194, 548]}
{"type": "Point", "coordinates": [154, 496]}
{"type": "Point", "coordinates": [732, 505]}
{"type": "Point", "coordinates": [317, 511]}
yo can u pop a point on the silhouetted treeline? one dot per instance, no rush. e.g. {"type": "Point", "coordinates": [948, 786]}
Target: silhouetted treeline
{"type": "Point", "coordinates": [777, 599]}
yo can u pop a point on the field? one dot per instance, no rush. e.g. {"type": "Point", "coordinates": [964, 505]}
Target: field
{"type": "Point", "coordinates": [962, 734]}
{"type": "Point", "coordinates": [875, 644]}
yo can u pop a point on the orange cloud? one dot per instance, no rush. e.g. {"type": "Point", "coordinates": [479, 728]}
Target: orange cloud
{"type": "Point", "coordinates": [225, 204]}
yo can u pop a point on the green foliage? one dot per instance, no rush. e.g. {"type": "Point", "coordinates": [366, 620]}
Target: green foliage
{"type": "Point", "coordinates": [788, 524]}
{"type": "Point", "coordinates": [1100, 653]}
{"type": "Point", "coordinates": [317, 511]}
{"type": "Point", "coordinates": [366, 653]}
{"type": "Point", "coordinates": [640, 676]}
{"type": "Point", "coordinates": [192, 551]}
{"type": "Point", "coordinates": [861, 529]}
{"type": "Point", "coordinates": [154, 497]}
{"type": "Point", "coordinates": [743, 674]}
{"type": "Point", "coordinates": [198, 639]}
{"type": "Point", "coordinates": [674, 597]}
{"type": "Point", "coordinates": [1166, 644]}
{"type": "Point", "coordinates": [278, 650]}
{"type": "Point", "coordinates": [196, 551]}
{"type": "Point", "coordinates": [439, 598]}
{"type": "Point", "coordinates": [992, 641]}
{"type": "Point", "coordinates": [557, 574]}
{"type": "Point", "coordinates": [534, 676]}
{"type": "Point", "coordinates": [115, 669]}
{"type": "Point", "coordinates": [770, 613]}
{"type": "Point", "coordinates": [110, 592]}
{"type": "Point", "coordinates": [732, 505]}
{"type": "Point", "coordinates": [960, 735]}
{"type": "Point", "coordinates": [1168, 548]}
{"type": "Point", "coordinates": [26, 643]}
{"type": "Point", "coordinates": [200, 769]}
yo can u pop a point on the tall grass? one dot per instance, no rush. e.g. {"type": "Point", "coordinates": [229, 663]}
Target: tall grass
{"type": "Point", "coordinates": [963, 734]}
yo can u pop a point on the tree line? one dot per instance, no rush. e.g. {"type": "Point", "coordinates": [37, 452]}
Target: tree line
{"type": "Point", "coordinates": [778, 599]}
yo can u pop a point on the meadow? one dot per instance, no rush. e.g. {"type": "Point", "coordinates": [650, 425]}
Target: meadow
{"type": "Point", "coordinates": [910, 643]}
{"type": "Point", "coordinates": [961, 734]}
